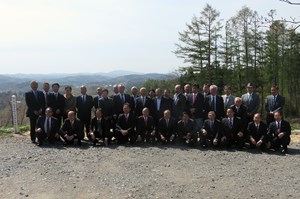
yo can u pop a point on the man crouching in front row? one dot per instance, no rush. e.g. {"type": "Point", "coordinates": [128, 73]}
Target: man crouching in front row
{"type": "Point", "coordinates": [72, 130]}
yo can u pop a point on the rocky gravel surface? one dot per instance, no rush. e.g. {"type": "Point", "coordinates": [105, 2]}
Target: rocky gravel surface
{"type": "Point", "coordinates": [143, 171]}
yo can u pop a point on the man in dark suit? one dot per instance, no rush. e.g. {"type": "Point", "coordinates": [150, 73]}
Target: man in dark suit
{"type": "Point", "coordinates": [125, 127]}
{"type": "Point", "coordinates": [84, 105]}
{"type": "Point", "coordinates": [35, 102]}
{"type": "Point", "coordinates": [232, 131]}
{"type": "Point", "coordinates": [179, 103]}
{"type": "Point", "coordinates": [214, 102]}
{"type": "Point", "coordinates": [159, 105]}
{"type": "Point", "coordinates": [166, 128]}
{"type": "Point", "coordinates": [211, 131]}
{"type": "Point", "coordinates": [120, 99]}
{"type": "Point", "coordinates": [106, 105]}
{"type": "Point", "coordinates": [146, 127]}
{"type": "Point", "coordinates": [98, 97]}
{"type": "Point", "coordinates": [196, 104]}
{"type": "Point", "coordinates": [167, 102]}
{"type": "Point", "coordinates": [186, 130]}
{"type": "Point", "coordinates": [72, 130]}
{"type": "Point", "coordinates": [47, 128]}
{"type": "Point", "coordinates": [57, 103]}
{"type": "Point", "coordinates": [228, 98]}
{"type": "Point", "coordinates": [205, 90]}
{"type": "Point", "coordinates": [251, 101]}
{"type": "Point", "coordinates": [274, 103]}
{"type": "Point", "coordinates": [257, 132]}
{"type": "Point", "coordinates": [46, 88]}
{"type": "Point", "coordinates": [240, 111]}
{"type": "Point", "coordinates": [144, 102]}
{"type": "Point", "coordinates": [99, 129]}
{"type": "Point", "coordinates": [279, 133]}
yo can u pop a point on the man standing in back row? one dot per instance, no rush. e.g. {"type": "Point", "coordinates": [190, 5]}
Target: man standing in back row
{"type": "Point", "coordinates": [274, 103]}
{"type": "Point", "coordinates": [84, 104]}
{"type": "Point", "coordinates": [251, 101]}
{"type": "Point", "coordinates": [35, 102]}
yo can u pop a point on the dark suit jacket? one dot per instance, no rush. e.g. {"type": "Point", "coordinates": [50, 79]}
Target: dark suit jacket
{"type": "Point", "coordinates": [184, 129]}
{"type": "Point", "coordinates": [57, 103]}
{"type": "Point", "coordinates": [219, 106]}
{"type": "Point", "coordinates": [159, 113]}
{"type": "Point", "coordinates": [130, 124]}
{"type": "Point", "coordinates": [53, 127]}
{"type": "Point", "coordinates": [166, 130]}
{"type": "Point", "coordinates": [278, 106]}
{"type": "Point", "coordinates": [106, 104]}
{"type": "Point", "coordinates": [84, 109]}
{"type": "Point", "coordinates": [241, 113]}
{"type": "Point", "coordinates": [118, 104]}
{"type": "Point", "coordinates": [198, 105]}
{"type": "Point", "coordinates": [104, 126]}
{"type": "Point", "coordinates": [33, 103]}
{"type": "Point", "coordinates": [215, 130]}
{"type": "Point", "coordinates": [231, 132]}
{"type": "Point", "coordinates": [230, 101]}
{"type": "Point", "coordinates": [168, 104]}
{"type": "Point", "coordinates": [284, 127]}
{"type": "Point", "coordinates": [253, 107]}
{"type": "Point", "coordinates": [257, 134]}
{"type": "Point", "coordinates": [139, 106]}
{"type": "Point", "coordinates": [142, 127]}
{"type": "Point", "coordinates": [96, 101]}
{"type": "Point", "coordinates": [179, 105]}
{"type": "Point", "coordinates": [77, 128]}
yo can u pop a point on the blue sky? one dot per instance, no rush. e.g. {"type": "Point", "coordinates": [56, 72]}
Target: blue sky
{"type": "Point", "coordinates": [51, 36]}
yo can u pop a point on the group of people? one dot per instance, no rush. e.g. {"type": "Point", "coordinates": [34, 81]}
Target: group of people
{"type": "Point", "coordinates": [190, 116]}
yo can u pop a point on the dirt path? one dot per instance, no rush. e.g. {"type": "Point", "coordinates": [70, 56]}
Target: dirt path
{"type": "Point", "coordinates": [28, 171]}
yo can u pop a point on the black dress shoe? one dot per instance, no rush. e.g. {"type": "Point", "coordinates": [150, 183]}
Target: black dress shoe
{"type": "Point", "coordinates": [40, 144]}
{"type": "Point", "coordinates": [33, 141]}
{"type": "Point", "coordinates": [284, 151]}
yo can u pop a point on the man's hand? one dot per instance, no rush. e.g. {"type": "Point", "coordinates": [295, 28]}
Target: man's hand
{"type": "Point", "coordinates": [162, 138]}
{"type": "Point", "coordinates": [240, 134]}
{"type": "Point", "coordinates": [259, 143]}
{"type": "Point", "coordinates": [280, 135]}
{"type": "Point", "coordinates": [215, 142]}
{"type": "Point", "coordinates": [56, 135]}
{"type": "Point", "coordinates": [223, 138]}
{"type": "Point", "coordinates": [124, 132]}
{"type": "Point", "coordinates": [252, 140]}
{"type": "Point", "coordinates": [204, 132]}
{"type": "Point", "coordinates": [38, 130]}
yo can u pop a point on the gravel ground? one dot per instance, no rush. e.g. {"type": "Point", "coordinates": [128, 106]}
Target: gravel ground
{"type": "Point", "coordinates": [28, 171]}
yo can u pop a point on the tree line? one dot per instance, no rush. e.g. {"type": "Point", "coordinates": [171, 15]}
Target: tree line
{"type": "Point", "coordinates": [246, 48]}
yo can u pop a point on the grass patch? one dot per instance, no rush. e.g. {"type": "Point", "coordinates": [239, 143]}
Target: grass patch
{"type": "Point", "coordinates": [295, 126]}
{"type": "Point", "coordinates": [9, 130]}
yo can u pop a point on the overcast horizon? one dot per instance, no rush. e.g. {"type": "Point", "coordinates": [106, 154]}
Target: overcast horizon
{"type": "Point", "coordinates": [90, 36]}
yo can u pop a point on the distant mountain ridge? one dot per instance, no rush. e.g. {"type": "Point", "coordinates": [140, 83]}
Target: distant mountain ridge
{"type": "Point", "coordinates": [20, 82]}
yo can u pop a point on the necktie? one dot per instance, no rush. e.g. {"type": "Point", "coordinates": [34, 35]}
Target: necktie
{"type": "Point", "coordinates": [257, 127]}
{"type": "Point", "coordinates": [99, 126]}
{"type": "Point", "coordinates": [126, 116]}
{"type": "Point", "coordinates": [123, 99]}
{"type": "Point", "coordinates": [158, 104]}
{"type": "Point", "coordinates": [194, 98]}
{"type": "Point", "coordinates": [35, 94]}
{"type": "Point", "coordinates": [274, 101]}
{"type": "Point", "coordinates": [249, 98]}
{"type": "Point", "coordinates": [145, 121]}
{"type": "Point", "coordinates": [72, 124]}
{"type": "Point", "coordinates": [230, 121]}
{"type": "Point", "coordinates": [56, 95]}
{"type": "Point", "coordinates": [167, 122]}
{"type": "Point", "coordinates": [83, 98]}
{"type": "Point", "coordinates": [211, 123]}
{"type": "Point", "coordinates": [143, 101]}
{"type": "Point", "coordinates": [278, 127]}
{"type": "Point", "coordinates": [46, 99]}
{"type": "Point", "coordinates": [226, 101]}
{"type": "Point", "coordinates": [48, 125]}
{"type": "Point", "coordinates": [213, 104]}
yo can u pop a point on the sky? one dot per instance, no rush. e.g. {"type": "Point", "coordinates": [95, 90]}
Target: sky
{"type": "Point", "coordinates": [89, 36]}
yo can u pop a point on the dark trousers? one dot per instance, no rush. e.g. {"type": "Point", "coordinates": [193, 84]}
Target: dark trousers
{"type": "Point", "coordinates": [42, 136]}
{"type": "Point", "coordinates": [234, 140]}
{"type": "Point", "coordinates": [32, 120]}
{"type": "Point", "coordinates": [78, 138]}
{"type": "Point", "coordinates": [284, 142]}
{"type": "Point", "coordinates": [123, 139]}
{"type": "Point", "coordinates": [147, 136]}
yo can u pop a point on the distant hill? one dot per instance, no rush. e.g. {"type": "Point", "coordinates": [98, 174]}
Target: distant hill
{"type": "Point", "coordinates": [20, 82]}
